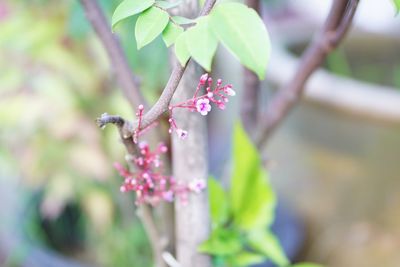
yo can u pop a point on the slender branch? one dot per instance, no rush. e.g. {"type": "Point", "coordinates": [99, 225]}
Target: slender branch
{"type": "Point", "coordinates": [146, 217]}
{"type": "Point", "coordinates": [162, 103]}
{"type": "Point", "coordinates": [335, 28]}
{"type": "Point", "coordinates": [251, 89]}
{"type": "Point", "coordinates": [115, 52]}
{"type": "Point", "coordinates": [126, 129]}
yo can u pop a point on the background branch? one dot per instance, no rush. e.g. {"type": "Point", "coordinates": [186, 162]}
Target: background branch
{"type": "Point", "coordinates": [115, 53]}
{"type": "Point", "coordinates": [146, 216]}
{"type": "Point", "coordinates": [333, 31]}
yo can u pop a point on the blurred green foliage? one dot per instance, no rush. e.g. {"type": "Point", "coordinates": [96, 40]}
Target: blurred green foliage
{"type": "Point", "coordinates": [243, 215]}
{"type": "Point", "coordinates": [56, 79]}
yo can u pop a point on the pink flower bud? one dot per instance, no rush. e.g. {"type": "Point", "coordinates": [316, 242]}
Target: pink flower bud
{"type": "Point", "coordinates": [229, 91]}
{"type": "Point", "coordinates": [203, 78]}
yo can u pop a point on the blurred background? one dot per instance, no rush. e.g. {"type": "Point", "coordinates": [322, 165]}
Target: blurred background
{"type": "Point", "coordinates": [335, 162]}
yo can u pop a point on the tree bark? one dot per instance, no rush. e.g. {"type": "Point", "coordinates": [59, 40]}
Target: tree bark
{"type": "Point", "coordinates": [249, 106]}
{"type": "Point", "coordinates": [190, 162]}
{"type": "Point", "coordinates": [192, 219]}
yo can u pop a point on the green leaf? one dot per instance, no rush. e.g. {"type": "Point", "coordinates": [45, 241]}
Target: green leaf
{"type": "Point", "coordinates": [306, 264]}
{"type": "Point", "coordinates": [218, 202]}
{"type": "Point", "coordinates": [202, 43]}
{"type": "Point", "coordinates": [129, 8]}
{"type": "Point", "coordinates": [266, 243]}
{"type": "Point", "coordinates": [251, 197]}
{"type": "Point", "coordinates": [221, 242]}
{"type": "Point", "coordinates": [247, 258]}
{"type": "Point", "coordinates": [170, 33]}
{"type": "Point", "coordinates": [243, 33]}
{"type": "Point", "coordinates": [182, 20]}
{"type": "Point", "coordinates": [149, 25]}
{"type": "Point", "coordinates": [167, 5]}
{"type": "Point", "coordinates": [181, 49]}
{"type": "Point", "coordinates": [397, 6]}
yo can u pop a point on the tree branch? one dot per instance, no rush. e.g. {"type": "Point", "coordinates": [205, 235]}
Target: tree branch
{"type": "Point", "coordinates": [114, 50]}
{"type": "Point", "coordinates": [162, 103]}
{"type": "Point", "coordinates": [335, 28]}
{"type": "Point", "coordinates": [126, 129]}
{"type": "Point", "coordinates": [146, 217]}
{"type": "Point", "coordinates": [251, 89]}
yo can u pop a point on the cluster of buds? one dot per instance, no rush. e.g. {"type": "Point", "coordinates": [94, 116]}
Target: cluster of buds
{"type": "Point", "coordinates": [147, 181]}
{"type": "Point", "coordinates": [202, 104]}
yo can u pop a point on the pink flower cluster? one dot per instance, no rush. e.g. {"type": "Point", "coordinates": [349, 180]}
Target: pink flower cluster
{"type": "Point", "coordinates": [147, 181]}
{"type": "Point", "coordinates": [202, 104]}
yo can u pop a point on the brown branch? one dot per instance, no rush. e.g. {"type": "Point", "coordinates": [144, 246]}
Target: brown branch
{"type": "Point", "coordinates": [115, 52]}
{"type": "Point", "coordinates": [162, 103]}
{"type": "Point", "coordinates": [123, 129]}
{"type": "Point", "coordinates": [126, 130]}
{"type": "Point", "coordinates": [335, 28]}
{"type": "Point", "coordinates": [251, 89]}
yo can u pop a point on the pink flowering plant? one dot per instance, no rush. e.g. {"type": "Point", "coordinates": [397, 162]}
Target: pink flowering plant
{"type": "Point", "coordinates": [147, 180]}
{"type": "Point", "coordinates": [241, 234]}
{"type": "Point", "coordinates": [203, 103]}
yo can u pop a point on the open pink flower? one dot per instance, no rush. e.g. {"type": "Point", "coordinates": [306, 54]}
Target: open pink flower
{"type": "Point", "coordinates": [203, 106]}
{"type": "Point", "coordinates": [181, 133]}
{"type": "Point", "coordinates": [197, 185]}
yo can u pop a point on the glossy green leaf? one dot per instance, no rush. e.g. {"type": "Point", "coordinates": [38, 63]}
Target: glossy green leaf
{"type": "Point", "coordinates": [202, 43]}
{"type": "Point", "coordinates": [266, 243]}
{"type": "Point", "coordinates": [181, 49]}
{"type": "Point", "coordinates": [221, 242]}
{"type": "Point", "coordinates": [170, 33]}
{"type": "Point", "coordinates": [244, 34]}
{"type": "Point", "coordinates": [182, 20]}
{"type": "Point", "coordinates": [218, 202]}
{"type": "Point", "coordinates": [149, 25]}
{"type": "Point", "coordinates": [251, 196]}
{"type": "Point", "coordinates": [306, 264]}
{"type": "Point", "coordinates": [167, 5]}
{"type": "Point", "coordinates": [397, 5]}
{"type": "Point", "coordinates": [129, 8]}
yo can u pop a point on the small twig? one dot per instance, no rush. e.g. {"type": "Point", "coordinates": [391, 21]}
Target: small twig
{"type": "Point", "coordinates": [120, 65]}
{"type": "Point", "coordinates": [170, 260]}
{"type": "Point", "coordinates": [106, 119]}
{"type": "Point", "coordinates": [335, 28]}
